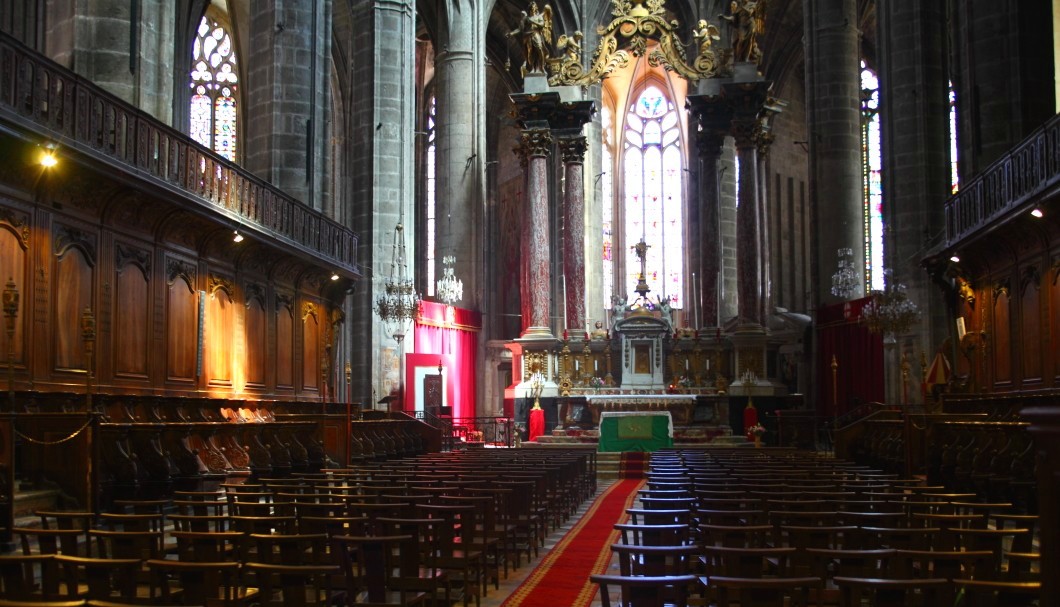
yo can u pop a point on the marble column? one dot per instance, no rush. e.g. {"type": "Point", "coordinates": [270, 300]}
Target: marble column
{"type": "Point", "coordinates": [763, 140]}
{"type": "Point", "coordinates": [572, 150]}
{"type": "Point", "coordinates": [538, 147]}
{"type": "Point", "coordinates": [747, 99]}
{"type": "Point", "coordinates": [714, 118]}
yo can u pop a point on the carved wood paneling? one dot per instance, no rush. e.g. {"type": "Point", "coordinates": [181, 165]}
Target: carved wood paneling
{"type": "Point", "coordinates": [1030, 328]}
{"type": "Point", "coordinates": [73, 295]}
{"type": "Point", "coordinates": [256, 345]}
{"type": "Point", "coordinates": [181, 330]}
{"type": "Point", "coordinates": [285, 348]}
{"type": "Point", "coordinates": [131, 322]}
{"type": "Point", "coordinates": [13, 263]}
{"type": "Point", "coordinates": [220, 323]}
{"type": "Point", "coordinates": [1002, 340]}
{"type": "Point", "coordinates": [310, 350]}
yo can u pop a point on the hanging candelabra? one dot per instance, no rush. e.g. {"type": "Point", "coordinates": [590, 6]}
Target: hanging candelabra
{"type": "Point", "coordinates": [846, 281]}
{"type": "Point", "coordinates": [890, 312]}
{"type": "Point", "coordinates": [400, 302]}
{"type": "Point", "coordinates": [449, 288]}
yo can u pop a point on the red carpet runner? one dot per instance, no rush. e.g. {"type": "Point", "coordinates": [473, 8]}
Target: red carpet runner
{"type": "Point", "coordinates": [562, 577]}
{"type": "Point", "coordinates": [633, 464]}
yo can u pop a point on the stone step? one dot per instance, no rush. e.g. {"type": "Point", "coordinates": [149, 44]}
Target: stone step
{"type": "Point", "coordinates": [27, 502]}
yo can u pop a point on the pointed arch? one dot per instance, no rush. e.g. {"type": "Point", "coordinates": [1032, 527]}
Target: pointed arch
{"type": "Point", "coordinates": [214, 107]}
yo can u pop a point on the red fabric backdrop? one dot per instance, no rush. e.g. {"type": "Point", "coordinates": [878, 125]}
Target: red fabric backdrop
{"type": "Point", "coordinates": [858, 353]}
{"type": "Point", "coordinates": [452, 331]}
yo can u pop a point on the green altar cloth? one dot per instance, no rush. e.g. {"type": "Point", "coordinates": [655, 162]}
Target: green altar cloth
{"type": "Point", "coordinates": [635, 431]}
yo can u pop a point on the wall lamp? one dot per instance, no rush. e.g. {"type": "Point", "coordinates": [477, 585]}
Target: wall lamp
{"type": "Point", "coordinates": [334, 276]}
{"type": "Point", "coordinates": [236, 236]}
{"type": "Point", "coordinates": [955, 258]}
{"type": "Point", "coordinates": [1037, 212]}
{"type": "Point", "coordinates": [48, 157]}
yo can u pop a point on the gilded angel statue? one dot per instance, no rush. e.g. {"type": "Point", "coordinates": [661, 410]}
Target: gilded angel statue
{"type": "Point", "coordinates": [535, 29]}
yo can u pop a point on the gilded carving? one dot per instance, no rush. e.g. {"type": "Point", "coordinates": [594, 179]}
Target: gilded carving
{"type": "Point", "coordinates": [572, 149]}
{"type": "Point", "coordinates": [125, 255]}
{"type": "Point", "coordinates": [1001, 288]}
{"type": "Point", "coordinates": [309, 309]}
{"type": "Point", "coordinates": [67, 237]}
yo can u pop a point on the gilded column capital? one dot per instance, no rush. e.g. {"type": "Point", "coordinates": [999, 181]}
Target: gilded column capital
{"type": "Point", "coordinates": [536, 142]}
{"type": "Point", "coordinates": [573, 149]}
{"type": "Point", "coordinates": [763, 138]}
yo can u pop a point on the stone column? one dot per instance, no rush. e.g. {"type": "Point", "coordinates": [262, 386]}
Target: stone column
{"type": "Point", "coordinates": [833, 89]}
{"type": "Point", "coordinates": [537, 290]}
{"type": "Point", "coordinates": [763, 140]}
{"type": "Point", "coordinates": [573, 152]}
{"type": "Point", "coordinates": [747, 99]}
{"type": "Point", "coordinates": [714, 118]}
{"type": "Point", "coordinates": [460, 146]}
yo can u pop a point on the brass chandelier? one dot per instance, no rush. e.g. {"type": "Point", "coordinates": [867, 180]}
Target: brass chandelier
{"type": "Point", "coordinates": [399, 303]}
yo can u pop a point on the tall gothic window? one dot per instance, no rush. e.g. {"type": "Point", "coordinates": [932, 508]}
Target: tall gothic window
{"type": "Point", "coordinates": [214, 86]}
{"type": "Point", "coordinates": [431, 206]}
{"type": "Point", "coordinates": [952, 92]}
{"type": "Point", "coordinates": [871, 169]}
{"type": "Point", "coordinates": [652, 193]}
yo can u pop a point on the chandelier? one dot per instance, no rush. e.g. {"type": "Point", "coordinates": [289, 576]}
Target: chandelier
{"type": "Point", "coordinates": [890, 311]}
{"type": "Point", "coordinates": [400, 302]}
{"type": "Point", "coordinates": [449, 288]}
{"type": "Point", "coordinates": [846, 281]}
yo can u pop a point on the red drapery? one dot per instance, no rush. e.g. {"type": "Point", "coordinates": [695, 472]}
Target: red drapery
{"type": "Point", "coordinates": [442, 329]}
{"type": "Point", "coordinates": [858, 354]}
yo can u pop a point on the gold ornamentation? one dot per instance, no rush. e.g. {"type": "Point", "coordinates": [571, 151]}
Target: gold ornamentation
{"type": "Point", "coordinates": [215, 283]}
{"type": "Point", "coordinates": [746, 20]}
{"type": "Point", "coordinates": [536, 142]}
{"type": "Point", "coordinates": [309, 309]}
{"type": "Point", "coordinates": [572, 149]}
{"type": "Point", "coordinates": [636, 21]}
{"type": "Point", "coordinates": [535, 30]}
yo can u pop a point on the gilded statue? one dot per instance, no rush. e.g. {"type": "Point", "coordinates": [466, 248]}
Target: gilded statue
{"type": "Point", "coordinates": [535, 29]}
{"type": "Point", "coordinates": [599, 332]}
{"type": "Point", "coordinates": [746, 21]}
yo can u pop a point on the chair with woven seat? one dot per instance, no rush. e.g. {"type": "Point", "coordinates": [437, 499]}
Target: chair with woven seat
{"type": "Point", "coordinates": [419, 569]}
{"type": "Point", "coordinates": [763, 592]}
{"type": "Point", "coordinates": [637, 591]}
{"type": "Point", "coordinates": [381, 570]}
{"type": "Point", "coordinates": [213, 584]}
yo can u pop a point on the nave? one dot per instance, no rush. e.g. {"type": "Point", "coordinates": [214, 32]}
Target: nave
{"type": "Point", "coordinates": [724, 526]}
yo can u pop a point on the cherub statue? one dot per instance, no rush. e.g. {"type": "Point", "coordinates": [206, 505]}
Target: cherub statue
{"type": "Point", "coordinates": [535, 29]}
{"type": "Point", "coordinates": [705, 34]}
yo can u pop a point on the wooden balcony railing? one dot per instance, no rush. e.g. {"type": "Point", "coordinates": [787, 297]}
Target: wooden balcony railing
{"type": "Point", "coordinates": [1024, 172]}
{"type": "Point", "coordinates": [45, 98]}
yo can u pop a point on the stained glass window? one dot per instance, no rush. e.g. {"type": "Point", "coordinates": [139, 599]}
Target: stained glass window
{"type": "Point", "coordinates": [429, 193]}
{"type": "Point", "coordinates": [607, 212]}
{"type": "Point", "coordinates": [871, 167]}
{"type": "Point", "coordinates": [954, 182]}
{"type": "Point", "coordinates": [652, 195]}
{"type": "Point", "coordinates": [214, 85]}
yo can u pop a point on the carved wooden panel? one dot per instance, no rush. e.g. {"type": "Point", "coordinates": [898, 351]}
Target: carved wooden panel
{"type": "Point", "coordinates": [182, 326]}
{"type": "Point", "coordinates": [310, 348]}
{"type": "Point", "coordinates": [1054, 321]}
{"type": "Point", "coordinates": [220, 323]}
{"type": "Point", "coordinates": [257, 346]}
{"type": "Point", "coordinates": [1030, 338]}
{"type": "Point", "coordinates": [73, 295]}
{"type": "Point", "coordinates": [13, 266]}
{"type": "Point", "coordinates": [285, 347]}
{"type": "Point", "coordinates": [1002, 338]}
{"type": "Point", "coordinates": [131, 315]}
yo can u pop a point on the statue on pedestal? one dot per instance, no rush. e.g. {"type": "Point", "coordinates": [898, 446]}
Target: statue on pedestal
{"type": "Point", "coordinates": [535, 29]}
{"type": "Point", "coordinates": [746, 21]}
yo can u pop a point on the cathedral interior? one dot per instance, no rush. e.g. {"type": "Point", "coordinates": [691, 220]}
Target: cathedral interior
{"type": "Point", "coordinates": [430, 220]}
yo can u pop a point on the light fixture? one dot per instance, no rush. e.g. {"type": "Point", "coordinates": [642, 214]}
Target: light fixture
{"type": "Point", "coordinates": [1037, 212]}
{"type": "Point", "coordinates": [400, 302]}
{"type": "Point", "coordinates": [334, 276]}
{"type": "Point", "coordinates": [890, 312]}
{"type": "Point", "coordinates": [450, 289]}
{"type": "Point", "coordinates": [955, 258]}
{"type": "Point", "coordinates": [236, 236]}
{"type": "Point", "coordinates": [846, 281]}
{"type": "Point", "coordinates": [48, 159]}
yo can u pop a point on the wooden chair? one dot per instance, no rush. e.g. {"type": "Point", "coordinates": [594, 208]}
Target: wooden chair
{"type": "Point", "coordinates": [51, 541]}
{"type": "Point", "coordinates": [293, 585]}
{"type": "Point", "coordinates": [987, 593]}
{"type": "Point", "coordinates": [25, 578]}
{"type": "Point", "coordinates": [827, 564]}
{"type": "Point", "coordinates": [763, 592]}
{"type": "Point", "coordinates": [213, 584]}
{"type": "Point", "coordinates": [368, 565]}
{"type": "Point", "coordinates": [58, 519]}
{"type": "Point", "coordinates": [209, 546]}
{"type": "Point", "coordinates": [654, 535]}
{"type": "Point", "coordinates": [22, 603]}
{"type": "Point", "coordinates": [466, 566]}
{"type": "Point", "coordinates": [997, 541]}
{"type": "Point", "coordinates": [280, 548]}
{"type": "Point", "coordinates": [102, 578]}
{"type": "Point", "coordinates": [737, 536]}
{"type": "Point", "coordinates": [140, 545]}
{"type": "Point", "coordinates": [1022, 566]}
{"type": "Point", "coordinates": [655, 560]}
{"type": "Point", "coordinates": [923, 592]}
{"type": "Point", "coordinates": [418, 562]}
{"type": "Point", "coordinates": [746, 562]}
{"type": "Point", "coordinates": [640, 516]}
{"type": "Point", "coordinates": [662, 591]}
{"type": "Point", "coordinates": [199, 522]}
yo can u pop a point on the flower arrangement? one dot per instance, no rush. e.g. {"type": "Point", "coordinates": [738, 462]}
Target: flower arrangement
{"type": "Point", "coordinates": [596, 382]}
{"type": "Point", "coordinates": [685, 382]}
{"type": "Point", "coordinates": [757, 430]}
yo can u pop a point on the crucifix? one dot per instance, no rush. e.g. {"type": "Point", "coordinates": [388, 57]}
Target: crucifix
{"type": "Point", "coordinates": [641, 250]}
